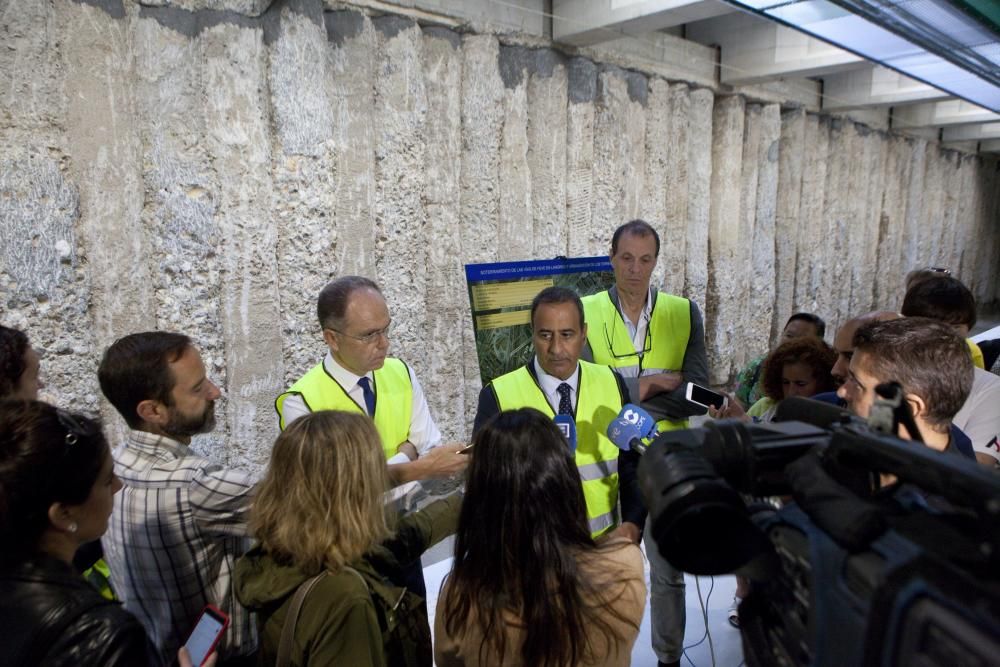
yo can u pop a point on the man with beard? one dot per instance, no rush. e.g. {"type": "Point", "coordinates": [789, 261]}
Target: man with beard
{"type": "Point", "coordinates": [180, 522]}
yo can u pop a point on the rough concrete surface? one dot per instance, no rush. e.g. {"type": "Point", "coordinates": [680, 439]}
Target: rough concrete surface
{"type": "Point", "coordinates": [547, 128]}
{"type": "Point", "coordinates": [699, 194]}
{"type": "Point", "coordinates": [653, 202]}
{"type": "Point", "coordinates": [676, 142]}
{"type": "Point", "coordinates": [206, 166]}
{"type": "Point", "coordinates": [786, 223]}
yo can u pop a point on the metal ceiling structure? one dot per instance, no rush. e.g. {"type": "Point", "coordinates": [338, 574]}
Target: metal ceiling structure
{"type": "Point", "coordinates": [930, 67]}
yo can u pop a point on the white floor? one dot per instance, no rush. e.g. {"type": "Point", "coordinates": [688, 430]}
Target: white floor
{"type": "Point", "coordinates": [717, 593]}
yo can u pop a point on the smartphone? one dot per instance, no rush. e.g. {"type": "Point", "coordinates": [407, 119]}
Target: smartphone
{"type": "Point", "coordinates": [206, 634]}
{"type": "Point", "coordinates": [704, 397]}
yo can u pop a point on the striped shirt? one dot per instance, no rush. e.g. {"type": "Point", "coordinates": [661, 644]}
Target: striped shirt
{"type": "Point", "coordinates": [176, 530]}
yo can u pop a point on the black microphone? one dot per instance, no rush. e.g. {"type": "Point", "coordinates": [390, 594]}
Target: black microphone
{"type": "Point", "coordinates": [816, 413]}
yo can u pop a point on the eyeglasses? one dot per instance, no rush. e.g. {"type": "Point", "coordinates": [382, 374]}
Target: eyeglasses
{"type": "Point", "coordinates": [646, 347]}
{"type": "Point", "coordinates": [938, 269]}
{"type": "Point", "coordinates": [74, 429]}
{"type": "Point", "coordinates": [370, 338]}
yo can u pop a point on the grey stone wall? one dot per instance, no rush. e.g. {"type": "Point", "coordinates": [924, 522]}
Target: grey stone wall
{"type": "Point", "coordinates": [206, 166]}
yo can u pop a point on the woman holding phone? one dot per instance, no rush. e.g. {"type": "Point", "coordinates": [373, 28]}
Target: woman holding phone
{"type": "Point", "coordinates": [56, 487]}
{"type": "Point", "coordinates": [530, 586]}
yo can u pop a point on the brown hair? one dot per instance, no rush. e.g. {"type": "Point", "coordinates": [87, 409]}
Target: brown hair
{"type": "Point", "coordinates": [136, 368]}
{"type": "Point", "coordinates": [13, 347]}
{"type": "Point", "coordinates": [521, 535]}
{"type": "Point", "coordinates": [926, 357]}
{"type": "Point", "coordinates": [940, 297]}
{"type": "Point", "coordinates": [812, 352]}
{"type": "Point", "coordinates": [320, 504]}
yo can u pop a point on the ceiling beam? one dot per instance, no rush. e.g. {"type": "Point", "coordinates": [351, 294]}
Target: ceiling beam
{"type": "Point", "coordinates": [941, 114]}
{"type": "Point", "coordinates": [989, 146]}
{"type": "Point", "coordinates": [754, 50]}
{"type": "Point", "coordinates": [875, 86]}
{"type": "Point", "coordinates": [589, 22]}
{"type": "Point", "coordinates": [981, 132]}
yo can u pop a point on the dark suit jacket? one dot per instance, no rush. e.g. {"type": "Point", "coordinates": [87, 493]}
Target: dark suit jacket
{"type": "Point", "coordinates": [629, 495]}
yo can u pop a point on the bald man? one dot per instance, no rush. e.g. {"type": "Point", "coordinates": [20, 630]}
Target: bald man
{"type": "Point", "coordinates": [843, 342]}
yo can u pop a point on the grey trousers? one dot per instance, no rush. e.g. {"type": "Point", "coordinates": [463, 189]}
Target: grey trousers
{"type": "Point", "coordinates": [666, 603]}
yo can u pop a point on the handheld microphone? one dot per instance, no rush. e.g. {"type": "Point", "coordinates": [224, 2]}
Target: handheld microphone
{"type": "Point", "coordinates": [642, 420]}
{"type": "Point", "coordinates": [567, 427]}
{"type": "Point", "coordinates": [626, 436]}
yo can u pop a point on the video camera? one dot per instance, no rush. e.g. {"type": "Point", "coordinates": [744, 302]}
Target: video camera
{"type": "Point", "coordinates": [889, 554]}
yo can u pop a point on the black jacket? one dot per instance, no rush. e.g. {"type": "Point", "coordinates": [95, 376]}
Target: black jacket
{"type": "Point", "coordinates": [52, 617]}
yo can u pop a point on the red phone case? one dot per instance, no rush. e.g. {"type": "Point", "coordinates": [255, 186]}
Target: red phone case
{"type": "Point", "coordinates": [219, 614]}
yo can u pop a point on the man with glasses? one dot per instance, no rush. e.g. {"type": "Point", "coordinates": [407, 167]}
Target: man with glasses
{"type": "Point", "coordinates": [656, 342]}
{"type": "Point", "coordinates": [357, 375]}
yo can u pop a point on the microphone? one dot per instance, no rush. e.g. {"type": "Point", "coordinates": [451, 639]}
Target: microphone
{"type": "Point", "coordinates": [567, 427]}
{"type": "Point", "coordinates": [643, 421]}
{"type": "Point", "coordinates": [626, 436]}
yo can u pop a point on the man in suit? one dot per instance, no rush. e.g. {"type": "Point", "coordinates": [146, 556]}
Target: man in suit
{"type": "Point", "coordinates": [557, 382]}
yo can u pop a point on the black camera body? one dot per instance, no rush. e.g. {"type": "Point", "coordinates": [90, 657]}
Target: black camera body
{"type": "Point", "coordinates": [854, 571]}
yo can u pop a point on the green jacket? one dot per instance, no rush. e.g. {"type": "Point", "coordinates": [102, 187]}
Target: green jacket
{"type": "Point", "coordinates": [339, 623]}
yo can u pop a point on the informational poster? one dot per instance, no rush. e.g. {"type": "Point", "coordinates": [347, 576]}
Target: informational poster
{"type": "Point", "coordinates": [501, 293]}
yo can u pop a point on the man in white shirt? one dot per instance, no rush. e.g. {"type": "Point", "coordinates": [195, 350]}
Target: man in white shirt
{"type": "Point", "coordinates": [979, 417]}
{"type": "Point", "coordinates": [357, 375]}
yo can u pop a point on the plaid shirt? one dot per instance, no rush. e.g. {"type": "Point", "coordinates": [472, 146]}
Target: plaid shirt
{"type": "Point", "coordinates": [176, 530]}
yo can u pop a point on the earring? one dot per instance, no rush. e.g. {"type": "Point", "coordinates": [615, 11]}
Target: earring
{"type": "Point", "coordinates": [72, 526]}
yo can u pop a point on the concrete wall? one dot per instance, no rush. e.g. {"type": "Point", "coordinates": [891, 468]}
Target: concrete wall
{"type": "Point", "coordinates": [207, 166]}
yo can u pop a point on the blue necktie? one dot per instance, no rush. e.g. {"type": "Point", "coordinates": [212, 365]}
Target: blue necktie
{"type": "Point", "coordinates": [565, 405]}
{"type": "Point", "coordinates": [366, 389]}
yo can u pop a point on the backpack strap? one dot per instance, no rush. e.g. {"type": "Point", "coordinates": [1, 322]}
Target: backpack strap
{"type": "Point", "coordinates": [288, 631]}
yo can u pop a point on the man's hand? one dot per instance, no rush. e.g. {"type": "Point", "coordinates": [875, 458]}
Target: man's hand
{"type": "Point", "coordinates": [443, 462]}
{"type": "Point", "coordinates": [650, 385]}
{"type": "Point", "coordinates": [627, 530]}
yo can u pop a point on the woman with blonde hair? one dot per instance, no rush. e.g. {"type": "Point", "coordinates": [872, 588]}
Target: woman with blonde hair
{"type": "Point", "coordinates": [530, 585]}
{"type": "Point", "coordinates": [319, 577]}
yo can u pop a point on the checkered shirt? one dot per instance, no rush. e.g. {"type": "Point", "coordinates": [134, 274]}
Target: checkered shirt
{"type": "Point", "coordinates": [176, 530]}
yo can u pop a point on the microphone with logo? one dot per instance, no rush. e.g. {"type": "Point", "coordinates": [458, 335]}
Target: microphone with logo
{"type": "Point", "coordinates": [632, 425]}
{"type": "Point", "coordinates": [567, 427]}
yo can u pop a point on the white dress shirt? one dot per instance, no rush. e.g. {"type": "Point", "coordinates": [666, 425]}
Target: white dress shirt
{"type": "Point", "coordinates": [638, 329]}
{"type": "Point", "coordinates": [424, 433]}
{"type": "Point", "coordinates": [550, 385]}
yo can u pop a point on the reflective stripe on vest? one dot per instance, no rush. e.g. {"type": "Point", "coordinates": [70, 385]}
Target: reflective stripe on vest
{"type": "Point", "coordinates": [599, 400]}
{"type": "Point", "coordinates": [669, 332]}
{"type": "Point", "coordinates": [393, 403]}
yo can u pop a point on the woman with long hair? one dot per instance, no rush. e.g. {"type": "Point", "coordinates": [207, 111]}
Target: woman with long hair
{"type": "Point", "coordinates": [56, 486]}
{"type": "Point", "coordinates": [529, 585]}
{"type": "Point", "coordinates": [18, 366]}
{"type": "Point", "coordinates": [325, 536]}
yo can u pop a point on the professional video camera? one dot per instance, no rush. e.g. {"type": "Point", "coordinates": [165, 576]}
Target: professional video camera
{"type": "Point", "coordinates": [862, 569]}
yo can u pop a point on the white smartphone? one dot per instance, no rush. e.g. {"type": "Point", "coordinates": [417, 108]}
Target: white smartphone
{"type": "Point", "coordinates": [206, 634]}
{"type": "Point", "coordinates": [704, 397]}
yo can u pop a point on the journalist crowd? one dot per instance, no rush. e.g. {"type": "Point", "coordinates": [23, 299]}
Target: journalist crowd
{"type": "Point", "coordinates": [113, 551]}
